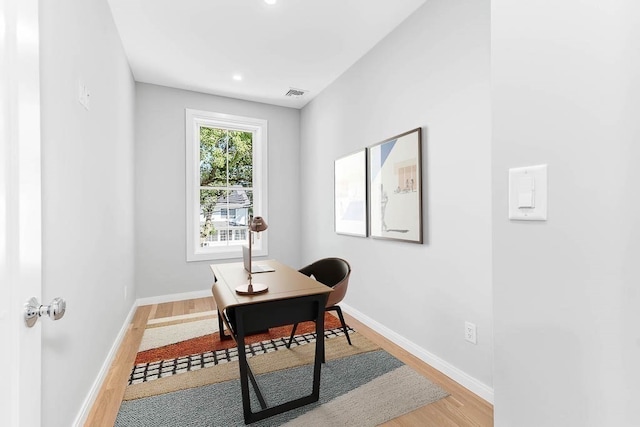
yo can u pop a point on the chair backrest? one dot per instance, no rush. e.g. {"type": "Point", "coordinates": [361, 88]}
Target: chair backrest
{"type": "Point", "coordinates": [333, 272]}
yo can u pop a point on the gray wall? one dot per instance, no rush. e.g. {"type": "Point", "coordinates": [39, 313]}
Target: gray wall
{"type": "Point", "coordinates": [161, 266]}
{"type": "Point", "coordinates": [431, 72]}
{"type": "Point", "coordinates": [87, 200]}
{"type": "Point", "coordinates": [565, 92]}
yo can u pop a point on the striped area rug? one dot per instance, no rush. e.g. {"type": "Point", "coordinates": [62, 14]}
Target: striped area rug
{"type": "Point", "coordinates": [185, 376]}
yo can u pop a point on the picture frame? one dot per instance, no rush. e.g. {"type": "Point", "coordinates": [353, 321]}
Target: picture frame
{"type": "Point", "coordinates": [350, 194]}
{"type": "Point", "coordinates": [395, 188]}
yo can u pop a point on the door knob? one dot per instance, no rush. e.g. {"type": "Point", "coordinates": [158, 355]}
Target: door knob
{"type": "Point", "coordinates": [33, 310]}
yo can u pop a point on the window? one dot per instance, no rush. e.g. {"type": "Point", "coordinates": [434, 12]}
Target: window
{"type": "Point", "coordinates": [226, 183]}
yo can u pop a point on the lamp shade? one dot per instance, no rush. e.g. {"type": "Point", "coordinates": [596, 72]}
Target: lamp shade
{"type": "Point", "coordinates": [258, 224]}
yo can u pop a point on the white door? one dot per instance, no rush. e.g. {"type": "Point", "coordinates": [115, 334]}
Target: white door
{"type": "Point", "coordinates": [20, 212]}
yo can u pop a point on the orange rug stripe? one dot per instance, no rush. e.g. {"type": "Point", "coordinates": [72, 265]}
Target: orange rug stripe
{"type": "Point", "coordinates": [212, 342]}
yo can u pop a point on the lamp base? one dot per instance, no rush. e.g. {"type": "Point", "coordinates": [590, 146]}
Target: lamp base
{"type": "Point", "coordinates": [258, 288]}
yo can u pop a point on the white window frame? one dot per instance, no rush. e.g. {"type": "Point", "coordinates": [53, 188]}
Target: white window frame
{"type": "Point", "coordinates": [194, 119]}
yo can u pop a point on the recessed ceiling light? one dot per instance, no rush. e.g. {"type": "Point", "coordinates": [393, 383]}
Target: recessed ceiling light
{"type": "Point", "coordinates": [237, 77]}
{"type": "Point", "coordinates": [270, 1]}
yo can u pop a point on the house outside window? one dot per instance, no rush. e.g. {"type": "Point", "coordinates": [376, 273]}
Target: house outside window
{"type": "Point", "coordinates": [226, 183]}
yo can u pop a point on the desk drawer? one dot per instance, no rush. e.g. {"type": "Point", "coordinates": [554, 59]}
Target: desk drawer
{"type": "Point", "coordinates": [261, 316]}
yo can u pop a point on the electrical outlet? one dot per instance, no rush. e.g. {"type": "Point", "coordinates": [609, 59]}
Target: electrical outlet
{"type": "Point", "coordinates": [470, 332]}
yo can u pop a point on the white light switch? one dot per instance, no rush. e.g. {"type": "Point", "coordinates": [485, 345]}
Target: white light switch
{"type": "Point", "coordinates": [528, 193]}
{"type": "Point", "coordinates": [83, 95]}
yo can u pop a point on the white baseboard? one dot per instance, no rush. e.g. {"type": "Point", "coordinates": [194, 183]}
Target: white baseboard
{"type": "Point", "coordinates": [461, 377]}
{"type": "Point", "coordinates": [173, 297]}
{"type": "Point", "coordinates": [81, 418]}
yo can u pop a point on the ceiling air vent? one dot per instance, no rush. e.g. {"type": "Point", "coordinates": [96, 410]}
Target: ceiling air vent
{"type": "Point", "coordinates": [295, 93]}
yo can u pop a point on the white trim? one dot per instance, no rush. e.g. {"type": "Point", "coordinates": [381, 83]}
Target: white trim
{"type": "Point", "coordinates": [459, 376]}
{"type": "Point", "coordinates": [173, 297]}
{"type": "Point", "coordinates": [89, 401]}
{"type": "Point", "coordinates": [194, 119]}
{"type": "Point", "coordinates": [20, 211]}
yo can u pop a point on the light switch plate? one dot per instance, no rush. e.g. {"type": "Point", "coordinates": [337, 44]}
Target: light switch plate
{"type": "Point", "coordinates": [537, 175]}
{"type": "Point", "coordinates": [83, 95]}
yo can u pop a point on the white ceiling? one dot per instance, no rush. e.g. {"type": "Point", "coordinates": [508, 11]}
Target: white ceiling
{"type": "Point", "coordinates": [201, 44]}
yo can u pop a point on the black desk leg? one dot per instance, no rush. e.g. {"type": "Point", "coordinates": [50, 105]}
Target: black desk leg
{"type": "Point", "coordinates": [319, 360]}
{"type": "Point", "coordinates": [246, 374]}
{"type": "Point", "coordinates": [317, 302]}
{"type": "Point", "coordinates": [223, 336]}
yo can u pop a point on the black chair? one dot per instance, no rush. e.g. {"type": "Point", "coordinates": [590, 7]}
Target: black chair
{"type": "Point", "coordinates": [333, 272]}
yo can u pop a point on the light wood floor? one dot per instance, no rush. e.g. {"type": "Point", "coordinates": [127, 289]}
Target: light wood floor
{"type": "Point", "coordinates": [461, 408]}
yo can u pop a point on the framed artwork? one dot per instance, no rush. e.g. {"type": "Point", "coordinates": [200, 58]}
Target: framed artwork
{"type": "Point", "coordinates": [350, 194]}
{"type": "Point", "coordinates": [395, 188]}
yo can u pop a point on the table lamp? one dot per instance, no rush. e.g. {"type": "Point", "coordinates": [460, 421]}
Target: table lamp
{"type": "Point", "coordinates": [256, 225]}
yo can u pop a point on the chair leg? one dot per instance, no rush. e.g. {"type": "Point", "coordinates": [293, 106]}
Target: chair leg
{"type": "Point", "coordinates": [293, 332]}
{"type": "Point", "coordinates": [344, 325]}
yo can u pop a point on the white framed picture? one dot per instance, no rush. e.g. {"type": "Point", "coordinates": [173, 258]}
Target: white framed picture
{"type": "Point", "coordinates": [350, 194]}
{"type": "Point", "coordinates": [395, 188]}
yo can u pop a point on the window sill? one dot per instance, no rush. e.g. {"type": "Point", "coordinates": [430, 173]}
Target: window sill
{"type": "Point", "coordinates": [235, 253]}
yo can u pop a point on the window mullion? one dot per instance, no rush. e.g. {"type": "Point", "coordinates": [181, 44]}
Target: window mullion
{"type": "Point", "coordinates": [228, 191]}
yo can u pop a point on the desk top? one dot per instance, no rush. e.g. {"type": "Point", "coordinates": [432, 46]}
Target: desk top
{"type": "Point", "coordinates": [283, 283]}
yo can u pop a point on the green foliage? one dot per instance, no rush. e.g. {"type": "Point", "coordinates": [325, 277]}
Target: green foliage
{"type": "Point", "coordinates": [222, 152]}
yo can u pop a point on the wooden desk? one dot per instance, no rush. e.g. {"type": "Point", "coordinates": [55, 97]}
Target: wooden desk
{"type": "Point", "coordinates": [292, 298]}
